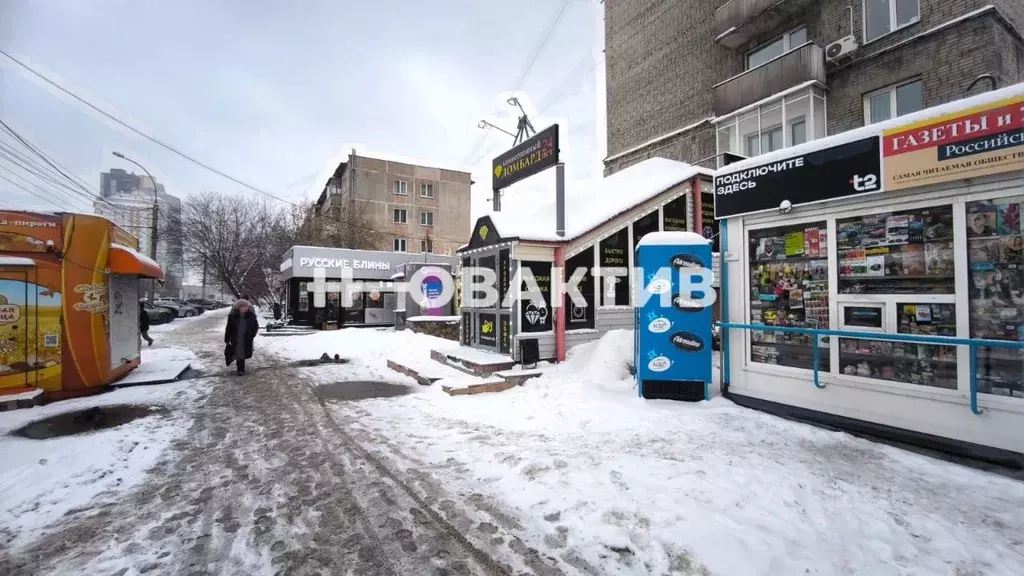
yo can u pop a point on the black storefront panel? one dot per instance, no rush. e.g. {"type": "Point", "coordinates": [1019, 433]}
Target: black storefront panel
{"type": "Point", "coordinates": [504, 276]}
{"type": "Point", "coordinates": [709, 226]}
{"type": "Point", "coordinates": [845, 170]}
{"type": "Point", "coordinates": [613, 253]}
{"type": "Point", "coordinates": [674, 216]}
{"type": "Point", "coordinates": [536, 317]}
{"type": "Point", "coordinates": [505, 329]}
{"type": "Point", "coordinates": [578, 317]}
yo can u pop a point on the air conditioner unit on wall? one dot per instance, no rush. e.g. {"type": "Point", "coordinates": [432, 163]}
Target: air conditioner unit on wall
{"type": "Point", "coordinates": [842, 47]}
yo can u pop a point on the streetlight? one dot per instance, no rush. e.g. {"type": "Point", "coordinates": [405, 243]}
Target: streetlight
{"type": "Point", "coordinates": [156, 213]}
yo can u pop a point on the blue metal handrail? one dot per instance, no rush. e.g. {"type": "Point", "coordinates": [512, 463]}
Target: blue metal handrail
{"type": "Point", "coordinates": [972, 343]}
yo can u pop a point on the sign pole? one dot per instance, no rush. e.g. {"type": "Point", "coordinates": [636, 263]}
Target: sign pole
{"type": "Point", "coordinates": [496, 200]}
{"type": "Point", "coordinates": [560, 199]}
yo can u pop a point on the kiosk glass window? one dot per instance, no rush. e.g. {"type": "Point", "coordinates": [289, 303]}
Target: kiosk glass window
{"type": "Point", "coordinates": [995, 254]}
{"type": "Point", "coordinates": [303, 297]}
{"type": "Point", "coordinates": [923, 364]}
{"type": "Point", "coordinates": [613, 256]}
{"type": "Point", "coordinates": [789, 287]}
{"type": "Point", "coordinates": [907, 252]}
{"type": "Point", "coordinates": [645, 226]}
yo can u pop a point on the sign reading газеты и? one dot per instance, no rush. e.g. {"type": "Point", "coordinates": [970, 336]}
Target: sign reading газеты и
{"type": "Point", "coordinates": [982, 141]}
{"type": "Point", "coordinates": [528, 158]}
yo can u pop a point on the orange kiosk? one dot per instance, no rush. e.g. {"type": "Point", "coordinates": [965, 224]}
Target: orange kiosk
{"type": "Point", "coordinates": [69, 303]}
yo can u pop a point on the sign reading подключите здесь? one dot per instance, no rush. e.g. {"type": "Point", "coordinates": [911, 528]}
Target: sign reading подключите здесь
{"type": "Point", "coordinates": [981, 141]}
{"type": "Point", "coordinates": [843, 170]}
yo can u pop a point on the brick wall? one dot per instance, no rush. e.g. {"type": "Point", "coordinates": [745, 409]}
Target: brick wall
{"type": "Point", "coordinates": [661, 62]}
{"type": "Point", "coordinates": [945, 62]}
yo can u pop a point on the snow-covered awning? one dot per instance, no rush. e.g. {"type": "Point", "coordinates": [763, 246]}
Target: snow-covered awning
{"type": "Point", "coordinates": [594, 202]}
{"type": "Point", "coordinates": [125, 260]}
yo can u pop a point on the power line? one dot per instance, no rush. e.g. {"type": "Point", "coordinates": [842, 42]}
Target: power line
{"type": "Point", "coordinates": [522, 77]}
{"type": "Point", "coordinates": [640, 30]}
{"type": "Point", "coordinates": [56, 167]}
{"type": "Point", "coordinates": [152, 139]}
{"type": "Point", "coordinates": [543, 43]}
{"type": "Point", "coordinates": [65, 199]}
{"type": "Point", "coordinates": [50, 200]}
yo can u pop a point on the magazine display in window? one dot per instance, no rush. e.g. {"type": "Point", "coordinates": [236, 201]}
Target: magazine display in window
{"type": "Point", "coordinates": [908, 252]}
{"type": "Point", "coordinates": [789, 287]}
{"type": "Point", "coordinates": [995, 253]}
{"type": "Point", "coordinates": [923, 364]}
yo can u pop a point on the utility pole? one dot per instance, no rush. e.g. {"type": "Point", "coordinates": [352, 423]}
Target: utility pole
{"type": "Point", "coordinates": [156, 216]}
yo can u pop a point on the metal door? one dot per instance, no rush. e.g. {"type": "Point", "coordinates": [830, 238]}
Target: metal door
{"type": "Point", "coordinates": [123, 319]}
{"type": "Point", "coordinates": [17, 342]}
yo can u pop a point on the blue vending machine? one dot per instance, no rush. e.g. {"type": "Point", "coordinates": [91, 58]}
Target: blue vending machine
{"type": "Point", "coordinates": [672, 333]}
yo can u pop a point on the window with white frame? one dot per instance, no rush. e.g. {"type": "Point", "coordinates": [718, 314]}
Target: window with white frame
{"type": "Point", "coordinates": [426, 190]}
{"type": "Point", "coordinates": [399, 245]}
{"type": "Point", "coordinates": [893, 101]}
{"type": "Point", "coordinates": [401, 188]}
{"type": "Point", "coordinates": [426, 218]}
{"type": "Point", "coordinates": [783, 122]}
{"type": "Point", "coordinates": [401, 216]}
{"type": "Point", "coordinates": [776, 48]}
{"type": "Point", "coordinates": [883, 17]}
{"type": "Point", "coordinates": [427, 246]}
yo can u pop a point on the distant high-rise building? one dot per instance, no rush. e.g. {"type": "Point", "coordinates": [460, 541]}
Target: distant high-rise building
{"type": "Point", "coordinates": [129, 204]}
{"type": "Point", "coordinates": [118, 181]}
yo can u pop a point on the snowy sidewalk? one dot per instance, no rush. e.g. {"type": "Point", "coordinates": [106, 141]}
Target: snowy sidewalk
{"type": "Point", "coordinates": [602, 479]}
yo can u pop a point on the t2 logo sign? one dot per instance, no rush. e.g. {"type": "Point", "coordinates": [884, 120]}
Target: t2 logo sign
{"type": "Point", "coordinates": [864, 183]}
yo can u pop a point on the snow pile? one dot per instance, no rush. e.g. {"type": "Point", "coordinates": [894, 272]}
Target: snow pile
{"type": "Point", "coordinates": [57, 475]}
{"type": "Point", "coordinates": [596, 201]}
{"type": "Point", "coordinates": [627, 485]}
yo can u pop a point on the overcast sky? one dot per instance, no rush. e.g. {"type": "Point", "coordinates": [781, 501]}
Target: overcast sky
{"type": "Point", "coordinates": [270, 91]}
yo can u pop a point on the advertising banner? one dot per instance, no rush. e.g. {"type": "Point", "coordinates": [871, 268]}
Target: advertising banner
{"type": "Point", "coordinates": [526, 159]}
{"type": "Point", "coordinates": [488, 330]}
{"type": "Point", "coordinates": [844, 170]}
{"type": "Point", "coordinates": [673, 340]}
{"type": "Point", "coordinates": [982, 141]}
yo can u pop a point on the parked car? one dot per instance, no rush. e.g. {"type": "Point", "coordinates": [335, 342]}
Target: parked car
{"type": "Point", "coordinates": [157, 314]}
{"type": "Point", "coordinates": [205, 303]}
{"type": "Point", "coordinates": [182, 311]}
{"type": "Point", "coordinates": [199, 309]}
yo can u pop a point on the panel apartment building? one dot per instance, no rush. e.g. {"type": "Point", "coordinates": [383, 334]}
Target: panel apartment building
{"type": "Point", "coordinates": [693, 80]}
{"type": "Point", "coordinates": [403, 207]}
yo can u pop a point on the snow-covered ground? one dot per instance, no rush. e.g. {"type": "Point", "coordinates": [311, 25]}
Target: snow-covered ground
{"type": "Point", "coordinates": [635, 486]}
{"type": "Point", "coordinates": [57, 475]}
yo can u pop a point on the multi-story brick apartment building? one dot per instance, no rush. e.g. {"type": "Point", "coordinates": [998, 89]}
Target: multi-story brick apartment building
{"type": "Point", "coordinates": [690, 80]}
{"type": "Point", "coordinates": [401, 207]}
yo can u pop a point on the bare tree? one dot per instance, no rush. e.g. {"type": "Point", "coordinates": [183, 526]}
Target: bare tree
{"type": "Point", "coordinates": [241, 239]}
{"type": "Point", "coordinates": [230, 235]}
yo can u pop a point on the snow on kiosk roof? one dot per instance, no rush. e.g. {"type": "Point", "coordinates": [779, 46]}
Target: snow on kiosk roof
{"type": "Point", "coordinates": [673, 239]}
{"type": "Point", "coordinates": [595, 202]}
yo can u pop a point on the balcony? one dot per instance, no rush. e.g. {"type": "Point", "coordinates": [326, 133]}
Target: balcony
{"type": "Point", "coordinates": [799, 66]}
{"type": "Point", "coordinates": [738, 22]}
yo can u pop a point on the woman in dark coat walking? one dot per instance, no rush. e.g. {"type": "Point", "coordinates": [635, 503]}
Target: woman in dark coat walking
{"type": "Point", "coordinates": [240, 332]}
